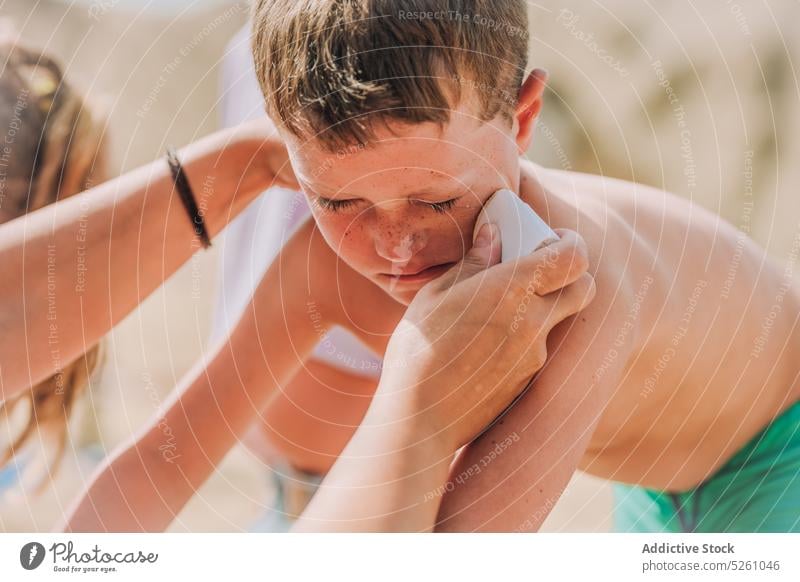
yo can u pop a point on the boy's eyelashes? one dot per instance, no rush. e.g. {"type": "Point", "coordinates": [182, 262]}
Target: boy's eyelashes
{"type": "Point", "coordinates": [332, 205]}
{"type": "Point", "coordinates": [442, 206]}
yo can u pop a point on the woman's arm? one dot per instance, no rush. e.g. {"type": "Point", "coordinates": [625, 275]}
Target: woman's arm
{"type": "Point", "coordinates": [73, 269]}
{"type": "Point", "coordinates": [390, 477]}
{"type": "Point", "coordinates": [451, 366]}
{"type": "Point", "coordinates": [145, 485]}
{"type": "Point", "coordinates": [513, 475]}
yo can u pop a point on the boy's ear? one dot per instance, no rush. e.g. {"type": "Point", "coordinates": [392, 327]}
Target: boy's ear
{"type": "Point", "coordinates": [528, 107]}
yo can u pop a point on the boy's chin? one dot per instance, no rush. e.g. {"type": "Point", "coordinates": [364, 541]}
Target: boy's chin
{"type": "Point", "coordinates": [402, 296]}
{"type": "Point", "coordinates": [403, 293]}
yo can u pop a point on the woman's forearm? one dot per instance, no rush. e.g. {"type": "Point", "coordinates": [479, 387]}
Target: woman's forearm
{"type": "Point", "coordinates": [74, 269]}
{"type": "Point", "coordinates": [390, 477]}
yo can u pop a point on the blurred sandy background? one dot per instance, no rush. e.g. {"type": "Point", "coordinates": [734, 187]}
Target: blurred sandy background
{"type": "Point", "coordinates": [700, 99]}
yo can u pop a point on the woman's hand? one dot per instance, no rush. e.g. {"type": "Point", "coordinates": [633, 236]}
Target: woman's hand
{"type": "Point", "coordinates": [471, 340]}
{"type": "Point", "coordinates": [467, 346]}
{"type": "Point", "coordinates": [263, 156]}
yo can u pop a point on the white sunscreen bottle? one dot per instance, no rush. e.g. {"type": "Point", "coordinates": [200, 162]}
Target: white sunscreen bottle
{"type": "Point", "coordinates": [522, 231]}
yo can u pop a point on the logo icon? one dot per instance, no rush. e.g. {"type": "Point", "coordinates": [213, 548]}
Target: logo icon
{"type": "Point", "coordinates": [31, 555]}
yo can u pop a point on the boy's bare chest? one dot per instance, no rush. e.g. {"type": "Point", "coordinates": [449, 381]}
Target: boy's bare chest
{"type": "Point", "coordinates": [370, 314]}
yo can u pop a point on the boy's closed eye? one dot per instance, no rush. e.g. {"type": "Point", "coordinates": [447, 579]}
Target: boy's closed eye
{"type": "Point", "coordinates": [332, 205]}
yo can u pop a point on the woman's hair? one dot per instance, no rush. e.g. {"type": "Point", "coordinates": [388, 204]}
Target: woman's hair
{"type": "Point", "coordinates": [53, 148]}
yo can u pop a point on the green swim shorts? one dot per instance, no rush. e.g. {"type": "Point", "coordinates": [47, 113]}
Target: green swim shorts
{"type": "Point", "coordinates": [757, 490]}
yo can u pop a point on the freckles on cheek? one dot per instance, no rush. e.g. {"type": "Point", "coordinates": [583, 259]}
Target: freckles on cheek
{"type": "Point", "coordinates": [346, 236]}
{"type": "Point", "coordinates": [355, 240]}
{"type": "Point", "coordinates": [349, 230]}
{"type": "Point", "coordinates": [330, 224]}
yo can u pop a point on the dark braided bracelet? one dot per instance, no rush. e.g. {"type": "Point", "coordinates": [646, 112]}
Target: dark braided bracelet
{"type": "Point", "coordinates": [187, 196]}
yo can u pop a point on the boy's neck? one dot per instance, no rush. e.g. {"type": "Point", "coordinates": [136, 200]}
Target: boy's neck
{"type": "Point", "coordinates": [533, 191]}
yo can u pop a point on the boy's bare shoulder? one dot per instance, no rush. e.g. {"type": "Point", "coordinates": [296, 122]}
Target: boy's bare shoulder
{"type": "Point", "coordinates": [621, 261]}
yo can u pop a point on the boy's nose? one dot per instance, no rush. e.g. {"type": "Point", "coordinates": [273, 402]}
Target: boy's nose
{"type": "Point", "coordinates": [399, 246]}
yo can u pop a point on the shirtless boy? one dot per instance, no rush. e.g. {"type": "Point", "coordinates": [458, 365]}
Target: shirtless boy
{"type": "Point", "coordinates": [679, 381]}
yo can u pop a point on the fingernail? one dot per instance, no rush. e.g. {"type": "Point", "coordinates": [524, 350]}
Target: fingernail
{"type": "Point", "coordinates": [485, 235]}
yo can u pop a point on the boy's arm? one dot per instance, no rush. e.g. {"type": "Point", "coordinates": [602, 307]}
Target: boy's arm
{"type": "Point", "coordinates": [146, 484]}
{"type": "Point", "coordinates": [313, 417]}
{"type": "Point", "coordinates": [511, 477]}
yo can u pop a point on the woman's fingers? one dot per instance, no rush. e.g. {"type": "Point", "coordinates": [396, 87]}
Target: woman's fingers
{"type": "Point", "coordinates": [571, 299]}
{"type": "Point", "coordinates": [560, 263]}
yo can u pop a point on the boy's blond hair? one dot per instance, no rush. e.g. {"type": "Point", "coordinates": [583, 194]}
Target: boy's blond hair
{"type": "Point", "coordinates": [331, 69]}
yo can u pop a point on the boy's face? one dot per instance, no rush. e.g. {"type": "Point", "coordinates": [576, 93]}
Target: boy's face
{"type": "Point", "coordinates": [401, 211]}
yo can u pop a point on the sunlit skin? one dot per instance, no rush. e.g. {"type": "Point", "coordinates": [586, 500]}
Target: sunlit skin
{"type": "Point", "coordinates": [595, 405]}
{"type": "Point", "coordinates": [670, 437]}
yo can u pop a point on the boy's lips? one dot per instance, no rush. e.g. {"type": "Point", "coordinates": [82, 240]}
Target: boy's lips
{"type": "Point", "coordinates": [417, 275]}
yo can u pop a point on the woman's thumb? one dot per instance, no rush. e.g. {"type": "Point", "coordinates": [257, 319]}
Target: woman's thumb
{"type": "Point", "coordinates": [484, 253]}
